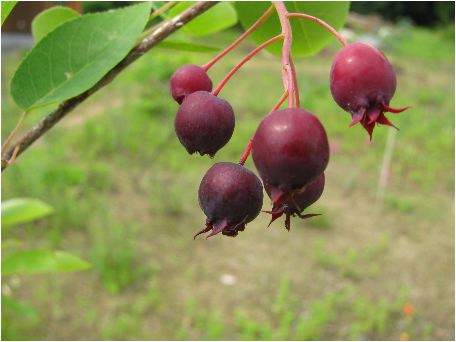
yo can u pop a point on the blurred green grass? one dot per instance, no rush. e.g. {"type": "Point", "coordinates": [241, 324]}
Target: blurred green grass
{"type": "Point", "coordinates": [124, 191]}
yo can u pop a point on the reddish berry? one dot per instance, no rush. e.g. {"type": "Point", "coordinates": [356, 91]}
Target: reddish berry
{"type": "Point", "coordinates": [204, 123]}
{"type": "Point", "coordinates": [294, 203]}
{"type": "Point", "coordinates": [231, 196]}
{"type": "Point", "coordinates": [363, 83]}
{"type": "Point", "coordinates": [290, 149]}
{"type": "Point", "coordinates": [187, 80]}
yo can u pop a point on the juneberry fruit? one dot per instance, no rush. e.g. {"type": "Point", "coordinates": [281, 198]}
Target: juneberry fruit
{"type": "Point", "coordinates": [290, 149]}
{"type": "Point", "coordinates": [188, 79]}
{"type": "Point", "coordinates": [363, 82]}
{"type": "Point", "coordinates": [204, 123]}
{"type": "Point", "coordinates": [294, 203]}
{"type": "Point", "coordinates": [231, 196]}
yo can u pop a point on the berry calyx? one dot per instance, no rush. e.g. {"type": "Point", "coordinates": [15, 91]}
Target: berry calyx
{"type": "Point", "coordinates": [188, 79]}
{"type": "Point", "coordinates": [290, 149]}
{"type": "Point", "coordinates": [231, 196]}
{"type": "Point", "coordinates": [204, 123]}
{"type": "Point", "coordinates": [362, 83]}
{"type": "Point", "coordinates": [293, 203]}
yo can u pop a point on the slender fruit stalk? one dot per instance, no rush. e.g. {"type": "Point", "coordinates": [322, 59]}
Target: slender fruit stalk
{"type": "Point", "coordinates": [265, 15]}
{"type": "Point", "coordinates": [161, 10]}
{"type": "Point", "coordinates": [295, 83]}
{"type": "Point", "coordinates": [247, 150]}
{"type": "Point", "coordinates": [245, 60]}
{"type": "Point", "coordinates": [280, 102]}
{"type": "Point", "coordinates": [287, 73]}
{"type": "Point", "coordinates": [321, 22]}
{"type": "Point", "coordinates": [246, 153]}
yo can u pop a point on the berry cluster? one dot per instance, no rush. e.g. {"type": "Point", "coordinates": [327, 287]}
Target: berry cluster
{"type": "Point", "coordinates": [290, 148]}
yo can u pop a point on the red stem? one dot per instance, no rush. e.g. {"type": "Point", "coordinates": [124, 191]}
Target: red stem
{"type": "Point", "coordinates": [247, 150]}
{"type": "Point", "coordinates": [321, 22]}
{"type": "Point", "coordinates": [279, 103]}
{"type": "Point", "coordinates": [295, 83]}
{"type": "Point", "coordinates": [266, 14]}
{"type": "Point", "coordinates": [246, 153]}
{"type": "Point", "coordinates": [287, 74]}
{"type": "Point", "coordinates": [216, 91]}
{"type": "Point", "coordinates": [289, 78]}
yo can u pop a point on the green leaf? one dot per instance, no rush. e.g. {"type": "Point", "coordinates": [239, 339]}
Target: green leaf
{"type": "Point", "coordinates": [217, 18]}
{"type": "Point", "coordinates": [50, 19]}
{"type": "Point", "coordinates": [308, 36]}
{"type": "Point", "coordinates": [7, 7]}
{"type": "Point", "coordinates": [22, 210]}
{"type": "Point", "coordinates": [19, 309]}
{"type": "Point", "coordinates": [185, 46]}
{"type": "Point", "coordinates": [76, 55]}
{"type": "Point", "coordinates": [42, 261]}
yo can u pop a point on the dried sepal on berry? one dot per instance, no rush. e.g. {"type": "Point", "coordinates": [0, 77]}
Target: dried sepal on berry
{"type": "Point", "coordinates": [293, 203]}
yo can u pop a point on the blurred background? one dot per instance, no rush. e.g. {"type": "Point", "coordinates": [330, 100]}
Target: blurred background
{"type": "Point", "coordinates": [378, 264]}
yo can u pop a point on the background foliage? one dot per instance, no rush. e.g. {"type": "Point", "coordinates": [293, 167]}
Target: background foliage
{"type": "Point", "coordinates": [423, 13]}
{"type": "Point", "coordinates": [124, 190]}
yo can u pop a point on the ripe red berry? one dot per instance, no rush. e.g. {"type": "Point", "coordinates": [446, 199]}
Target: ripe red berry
{"type": "Point", "coordinates": [187, 80]}
{"type": "Point", "coordinates": [231, 196]}
{"type": "Point", "coordinates": [294, 203]}
{"type": "Point", "coordinates": [290, 149]}
{"type": "Point", "coordinates": [204, 123]}
{"type": "Point", "coordinates": [363, 82]}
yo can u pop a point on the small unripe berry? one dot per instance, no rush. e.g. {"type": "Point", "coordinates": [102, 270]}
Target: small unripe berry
{"type": "Point", "coordinates": [363, 82]}
{"type": "Point", "coordinates": [188, 79]}
{"type": "Point", "coordinates": [231, 196]}
{"type": "Point", "coordinates": [204, 123]}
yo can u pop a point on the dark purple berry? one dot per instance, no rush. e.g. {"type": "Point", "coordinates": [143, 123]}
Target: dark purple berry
{"type": "Point", "coordinates": [362, 83]}
{"type": "Point", "coordinates": [294, 203]}
{"type": "Point", "coordinates": [231, 196]}
{"type": "Point", "coordinates": [188, 79]}
{"type": "Point", "coordinates": [204, 123]}
{"type": "Point", "coordinates": [290, 149]}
